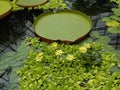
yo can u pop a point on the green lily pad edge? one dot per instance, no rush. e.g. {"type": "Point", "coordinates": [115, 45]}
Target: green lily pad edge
{"type": "Point", "coordinates": [68, 26]}
{"type": "Point", "coordinates": [30, 3]}
{"type": "Point", "coordinates": [5, 8]}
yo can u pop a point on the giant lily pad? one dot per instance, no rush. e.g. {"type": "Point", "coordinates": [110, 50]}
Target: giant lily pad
{"type": "Point", "coordinates": [65, 25]}
{"type": "Point", "coordinates": [30, 3]}
{"type": "Point", "coordinates": [5, 8]}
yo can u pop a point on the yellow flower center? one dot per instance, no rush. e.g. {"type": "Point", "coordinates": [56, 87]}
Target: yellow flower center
{"type": "Point", "coordinates": [54, 45]}
{"type": "Point", "coordinates": [83, 49]}
{"type": "Point", "coordinates": [58, 52]}
{"type": "Point", "coordinates": [113, 24]}
{"type": "Point", "coordinates": [87, 45]}
{"type": "Point", "coordinates": [39, 56]}
{"type": "Point", "coordinates": [70, 57]}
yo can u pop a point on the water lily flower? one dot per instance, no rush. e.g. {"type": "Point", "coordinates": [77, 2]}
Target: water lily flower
{"type": "Point", "coordinates": [70, 57]}
{"type": "Point", "coordinates": [39, 56]}
{"type": "Point", "coordinates": [54, 45]}
{"type": "Point", "coordinates": [58, 52]}
{"type": "Point", "coordinates": [83, 49]}
{"type": "Point", "coordinates": [87, 45]}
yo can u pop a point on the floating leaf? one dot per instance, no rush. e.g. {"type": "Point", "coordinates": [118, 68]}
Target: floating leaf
{"type": "Point", "coordinates": [4, 66]}
{"type": "Point", "coordinates": [73, 26]}
{"type": "Point", "coordinates": [23, 48]}
{"type": "Point", "coordinates": [30, 3]}
{"type": "Point", "coordinates": [11, 59]}
{"type": "Point", "coordinates": [13, 77]}
{"type": "Point", "coordinates": [5, 8]}
{"type": "Point", "coordinates": [117, 18]}
{"type": "Point", "coordinates": [104, 39]}
{"type": "Point", "coordinates": [13, 87]}
{"type": "Point", "coordinates": [116, 11]}
{"type": "Point", "coordinates": [2, 72]}
{"type": "Point", "coordinates": [7, 55]}
{"type": "Point", "coordinates": [86, 40]}
{"type": "Point", "coordinates": [109, 47]}
{"type": "Point", "coordinates": [114, 30]}
{"type": "Point", "coordinates": [95, 34]}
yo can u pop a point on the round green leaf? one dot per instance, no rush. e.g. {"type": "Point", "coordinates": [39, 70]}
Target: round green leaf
{"type": "Point", "coordinates": [30, 3]}
{"type": "Point", "coordinates": [65, 25]}
{"type": "Point", "coordinates": [95, 34]}
{"type": "Point", "coordinates": [5, 8]}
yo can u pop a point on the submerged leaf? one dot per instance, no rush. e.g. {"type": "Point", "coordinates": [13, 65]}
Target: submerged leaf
{"type": "Point", "coordinates": [115, 69]}
{"type": "Point", "coordinates": [14, 86]}
{"type": "Point", "coordinates": [95, 34]}
{"type": "Point", "coordinates": [116, 11]}
{"type": "Point", "coordinates": [23, 48]}
{"type": "Point", "coordinates": [113, 30]}
{"type": "Point", "coordinates": [104, 39]}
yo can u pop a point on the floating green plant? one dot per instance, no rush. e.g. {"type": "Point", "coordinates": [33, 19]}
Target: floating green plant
{"type": "Point", "coordinates": [5, 8]}
{"type": "Point", "coordinates": [64, 25]}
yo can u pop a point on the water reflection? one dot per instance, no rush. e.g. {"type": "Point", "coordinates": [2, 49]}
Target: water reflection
{"type": "Point", "coordinates": [93, 7]}
{"type": "Point", "coordinates": [11, 27]}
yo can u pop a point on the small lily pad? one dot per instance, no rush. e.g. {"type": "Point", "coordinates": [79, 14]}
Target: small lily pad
{"type": "Point", "coordinates": [65, 25]}
{"type": "Point", "coordinates": [5, 8]}
{"type": "Point", "coordinates": [30, 3]}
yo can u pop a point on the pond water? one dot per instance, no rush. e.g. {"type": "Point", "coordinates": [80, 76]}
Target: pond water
{"type": "Point", "coordinates": [93, 7]}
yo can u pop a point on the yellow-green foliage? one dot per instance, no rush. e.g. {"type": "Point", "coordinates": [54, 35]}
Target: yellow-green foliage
{"type": "Point", "coordinates": [15, 7]}
{"type": "Point", "coordinates": [116, 1]}
{"type": "Point", "coordinates": [113, 21]}
{"type": "Point", "coordinates": [68, 67]}
{"type": "Point", "coordinates": [4, 6]}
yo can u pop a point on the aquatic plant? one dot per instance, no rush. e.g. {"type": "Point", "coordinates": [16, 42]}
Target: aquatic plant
{"type": "Point", "coordinates": [113, 21]}
{"type": "Point", "coordinates": [88, 65]}
{"type": "Point", "coordinates": [85, 65]}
